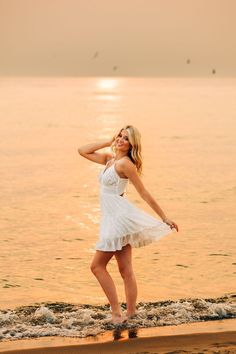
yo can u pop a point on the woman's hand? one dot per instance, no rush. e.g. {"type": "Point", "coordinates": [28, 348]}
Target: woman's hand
{"type": "Point", "coordinates": [172, 224]}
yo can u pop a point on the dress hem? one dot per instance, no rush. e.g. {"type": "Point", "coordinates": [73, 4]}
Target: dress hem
{"type": "Point", "coordinates": [137, 239]}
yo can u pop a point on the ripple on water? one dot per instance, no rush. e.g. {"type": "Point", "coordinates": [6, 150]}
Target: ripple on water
{"type": "Point", "coordinates": [219, 254]}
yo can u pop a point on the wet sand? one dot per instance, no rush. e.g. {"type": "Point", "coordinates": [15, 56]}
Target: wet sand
{"type": "Point", "coordinates": [204, 337]}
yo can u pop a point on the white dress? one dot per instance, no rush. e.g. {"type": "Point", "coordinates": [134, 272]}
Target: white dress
{"type": "Point", "coordinates": [121, 221]}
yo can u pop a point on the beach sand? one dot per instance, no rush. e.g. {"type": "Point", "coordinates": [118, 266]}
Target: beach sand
{"type": "Point", "coordinates": [203, 337]}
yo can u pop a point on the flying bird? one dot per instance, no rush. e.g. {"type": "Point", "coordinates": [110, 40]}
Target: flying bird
{"type": "Point", "coordinates": [188, 61]}
{"type": "Point", "coordinates": [95, 55]}
{"type": "Point", "coordinates": [115, 68]}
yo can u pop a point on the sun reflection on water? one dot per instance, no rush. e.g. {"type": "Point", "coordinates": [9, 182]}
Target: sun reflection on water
{"type": "Point", "coordinates": [107, 100]}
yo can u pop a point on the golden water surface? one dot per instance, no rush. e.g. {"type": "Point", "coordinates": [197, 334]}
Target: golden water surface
{"type": "Point", "coordinates": [50, 194]}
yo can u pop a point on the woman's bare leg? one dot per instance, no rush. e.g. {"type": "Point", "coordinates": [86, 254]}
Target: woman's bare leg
{"type": "Point", "coordinates": [98, 267]}
{"type": "Point", "coordinates": [124, 260]}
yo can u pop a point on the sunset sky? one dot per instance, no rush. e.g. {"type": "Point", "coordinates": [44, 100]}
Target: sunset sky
{"type": "Point", "coordinates": [118, 37]}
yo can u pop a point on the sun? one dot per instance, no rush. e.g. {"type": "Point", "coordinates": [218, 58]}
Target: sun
{"type": "Point", "coordinates": [107, 84]}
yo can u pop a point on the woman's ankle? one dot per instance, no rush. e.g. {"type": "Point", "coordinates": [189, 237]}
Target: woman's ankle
{"type": "Point", "coordinates": [130, 313]}
{"type": "Point", "coordinates": [116, 311]}
{"type": "Point", "coordinates": [117, 314]}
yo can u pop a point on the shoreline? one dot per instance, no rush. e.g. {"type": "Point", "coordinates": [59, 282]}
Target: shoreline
{"type": "Point", "coordinates": [61, 328]}
{"type": "Point", "coordinates": [192, 337]}
{"type": "Point", "coordinates": [62, 319]}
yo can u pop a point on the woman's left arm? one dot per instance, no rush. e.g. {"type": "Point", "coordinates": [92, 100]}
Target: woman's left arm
{"type": "Point", "coordinates": [130, 171]}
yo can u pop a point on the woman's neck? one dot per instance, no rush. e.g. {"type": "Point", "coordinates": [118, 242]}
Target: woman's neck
{"type": "Point", "coordinates": [119, 156]}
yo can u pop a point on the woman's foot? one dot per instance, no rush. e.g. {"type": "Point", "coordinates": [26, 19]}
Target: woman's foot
{"type": "Point", "coordinates": [118, 318]}
{"type": "Point", "coordinates": [130, 315]}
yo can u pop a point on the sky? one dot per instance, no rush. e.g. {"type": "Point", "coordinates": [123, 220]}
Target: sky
{"type": "Point", "coordinates": [117, 37]}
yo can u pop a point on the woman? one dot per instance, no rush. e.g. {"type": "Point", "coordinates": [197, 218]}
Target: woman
{"type": "Point", "coordinates": [123, 225]}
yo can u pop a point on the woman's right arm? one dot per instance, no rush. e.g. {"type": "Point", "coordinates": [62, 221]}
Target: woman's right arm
{"type": "Point", "coordinates": [89, 151]}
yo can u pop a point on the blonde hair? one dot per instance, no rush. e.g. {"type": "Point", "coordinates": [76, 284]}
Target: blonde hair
{"type": "Point", "coordinates": [135, 141]}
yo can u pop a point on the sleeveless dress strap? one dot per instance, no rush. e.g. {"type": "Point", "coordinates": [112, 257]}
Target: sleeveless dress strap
{"type": "Point", "coordinates": [107, 162]}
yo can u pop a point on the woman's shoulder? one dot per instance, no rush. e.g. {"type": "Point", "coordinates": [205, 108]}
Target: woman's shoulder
{"type": "Point", "coordinates": [126, 161]}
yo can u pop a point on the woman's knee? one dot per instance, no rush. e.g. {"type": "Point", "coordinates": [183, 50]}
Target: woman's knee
{"type": "Point", "coordinates": [96, 268]}
{"type": "Point", "coordinates": [126, 271]}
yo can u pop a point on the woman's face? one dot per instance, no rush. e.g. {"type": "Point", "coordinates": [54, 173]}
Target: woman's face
{"type": "Point", "coordinates": [122, 141]}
